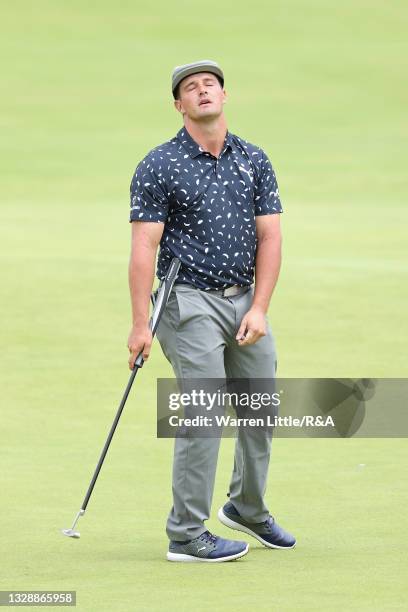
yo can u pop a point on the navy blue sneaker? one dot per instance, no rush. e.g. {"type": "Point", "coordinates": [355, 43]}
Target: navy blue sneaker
{"type": "Point", "coordinates": [268, 533]}
{"type": "Point", "coordinates": [207, 547]}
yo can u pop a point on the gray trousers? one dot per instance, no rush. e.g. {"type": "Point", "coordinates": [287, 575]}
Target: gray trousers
{"type": "Point", "coordinates": [197, 335]}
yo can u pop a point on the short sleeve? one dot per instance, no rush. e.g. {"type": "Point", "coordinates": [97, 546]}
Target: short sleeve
{"type": "Point", "coordinates": [148, 197]}
{"type": "Point", "coordinates": [267, 200]}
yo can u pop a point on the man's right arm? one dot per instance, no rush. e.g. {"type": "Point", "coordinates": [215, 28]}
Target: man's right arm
{"type": "Point", "coordinates": [145, 240]}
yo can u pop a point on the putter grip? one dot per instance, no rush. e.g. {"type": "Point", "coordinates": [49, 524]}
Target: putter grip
{"type": "Point", "coordinates": [160, 302]}
{"type": "Point", "coordinates": [139, 361]}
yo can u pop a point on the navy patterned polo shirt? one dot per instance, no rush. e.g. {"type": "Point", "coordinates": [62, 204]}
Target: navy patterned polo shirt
{"type": "Point", "coordinates": [208, 206]}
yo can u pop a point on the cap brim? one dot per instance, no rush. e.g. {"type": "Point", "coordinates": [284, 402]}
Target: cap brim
{"type": "Point", "coordinates": [195, 70]}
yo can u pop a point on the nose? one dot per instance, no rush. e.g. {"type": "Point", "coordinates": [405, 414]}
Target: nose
{"type": "Point", "coordinates": [202, 89]}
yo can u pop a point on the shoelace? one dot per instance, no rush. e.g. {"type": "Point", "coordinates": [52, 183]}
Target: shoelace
{"type": "Point", "coordinates": [269, 522]}
{"type": "Point", "coordinates": [209, 537]}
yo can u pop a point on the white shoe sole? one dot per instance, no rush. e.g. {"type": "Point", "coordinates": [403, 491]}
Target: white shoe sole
{"type": "Point", "coordinates": [191, 559]}
{"type": "Point", "coordinates": [238, 527]}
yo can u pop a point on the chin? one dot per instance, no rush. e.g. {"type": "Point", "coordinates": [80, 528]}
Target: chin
{"type": "Point", "coordinates": [209, 114]}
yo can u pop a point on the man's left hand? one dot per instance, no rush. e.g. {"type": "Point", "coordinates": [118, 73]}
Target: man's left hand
{"type": "Point", "coordinates": [253, 327]}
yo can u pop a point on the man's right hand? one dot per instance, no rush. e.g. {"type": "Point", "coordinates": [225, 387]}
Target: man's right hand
{"type": "Point", "coordinates": [140, 339]}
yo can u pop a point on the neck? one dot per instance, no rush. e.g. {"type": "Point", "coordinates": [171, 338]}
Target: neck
{"type": "Point", "coordinates": [209, 135]}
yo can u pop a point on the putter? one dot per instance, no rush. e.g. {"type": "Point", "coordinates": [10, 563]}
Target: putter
{"type": "Point", "coordinates": [159, 304]}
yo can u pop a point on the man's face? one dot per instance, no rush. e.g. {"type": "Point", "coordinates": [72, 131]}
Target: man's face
{"type": "Point", "coordinates": [200, 97]}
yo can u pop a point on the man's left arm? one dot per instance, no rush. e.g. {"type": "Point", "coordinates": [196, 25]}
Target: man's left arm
{"type": "Point", "coordinates": [267, 266]}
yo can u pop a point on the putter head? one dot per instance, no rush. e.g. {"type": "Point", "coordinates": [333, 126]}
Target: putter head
{"type": "Point", "coordinates": [70, 533]}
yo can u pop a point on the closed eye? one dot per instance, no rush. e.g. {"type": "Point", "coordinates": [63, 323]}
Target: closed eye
{"type": "Point", "coordinates": [193, 84]}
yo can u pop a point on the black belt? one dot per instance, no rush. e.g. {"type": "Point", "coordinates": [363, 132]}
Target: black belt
{"type": "Point", "coordinates": [222, 291]}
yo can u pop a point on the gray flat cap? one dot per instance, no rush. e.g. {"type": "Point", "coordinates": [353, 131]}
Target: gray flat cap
{"type": "Point", "coordinates": [181, 72]}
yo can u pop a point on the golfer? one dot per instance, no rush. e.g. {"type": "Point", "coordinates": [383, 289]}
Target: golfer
{"type": "Point", "coordinates": [211, 199]}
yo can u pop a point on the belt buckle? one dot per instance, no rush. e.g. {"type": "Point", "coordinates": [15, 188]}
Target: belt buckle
{"type": "Point", "coordinates": [230, 291]}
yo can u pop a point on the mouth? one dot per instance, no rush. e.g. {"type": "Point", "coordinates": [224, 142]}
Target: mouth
{"type": "Point", "coordinates": [204, 102]}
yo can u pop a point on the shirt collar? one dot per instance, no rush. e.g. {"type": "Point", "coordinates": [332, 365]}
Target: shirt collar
{"type": "Point", "coordinates": [193, 148]}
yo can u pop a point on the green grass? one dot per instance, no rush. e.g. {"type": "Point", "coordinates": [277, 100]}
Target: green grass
{"type": "Point", "coordinates": [84, 95]}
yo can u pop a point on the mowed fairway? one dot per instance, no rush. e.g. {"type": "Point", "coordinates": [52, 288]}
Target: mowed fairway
{"type": "Point", "coordinates": [85, 93]}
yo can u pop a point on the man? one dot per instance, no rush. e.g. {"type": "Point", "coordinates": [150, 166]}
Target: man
{"type": "Point", "coordinates": [210, 199]}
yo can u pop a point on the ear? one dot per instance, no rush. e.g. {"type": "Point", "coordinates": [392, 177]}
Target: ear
{"type": "Point", "coordinates": [179, 106]}
{"type": "Point", "coordinates": [225, 100]}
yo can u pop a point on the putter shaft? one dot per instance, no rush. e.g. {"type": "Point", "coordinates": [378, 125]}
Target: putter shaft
{"type": "Point", "coordinates": [159, 304]}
